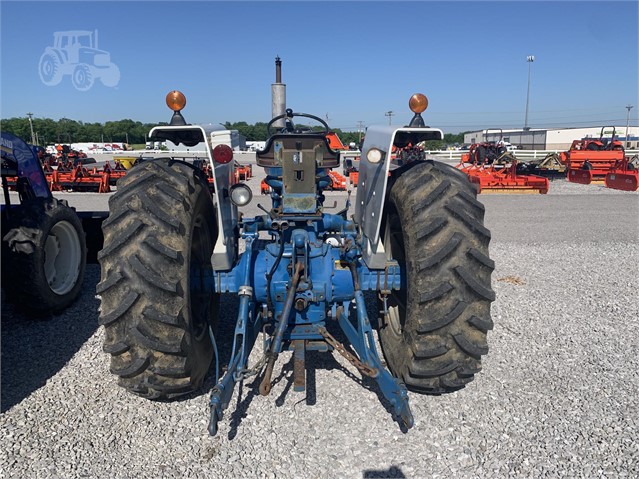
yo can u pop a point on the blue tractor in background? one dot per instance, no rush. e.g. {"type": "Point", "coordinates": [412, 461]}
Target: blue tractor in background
{"type": "Point", "coordinates": [43, 241]}
{"type": "Point", "coordinates": [415, 239]}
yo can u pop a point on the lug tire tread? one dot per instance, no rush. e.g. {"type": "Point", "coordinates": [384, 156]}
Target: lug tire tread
{"type": "Point", "coordinates": [448, 294]}
{"type": "Point", "coordinates": [144, 286]}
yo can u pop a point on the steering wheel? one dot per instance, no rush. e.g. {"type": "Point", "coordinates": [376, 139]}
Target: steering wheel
{"type": "Point", "coordinates": [291, 128]}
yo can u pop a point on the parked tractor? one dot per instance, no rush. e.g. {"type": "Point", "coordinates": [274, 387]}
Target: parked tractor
{"type": "Point", "coordinates": [488, 152]}
{"type": "Point", "coordinates": [590, 160]}
{"type": "Point", "coordinates": [43, 242]}
{"type": "Point", "coordinates": [597, 144]}
{"type": "Point", "coordinates": [76, 53]}
{"type": "Point", "coordinates": [416, 240]}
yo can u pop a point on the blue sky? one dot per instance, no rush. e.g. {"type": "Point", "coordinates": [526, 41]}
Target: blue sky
{"type": "Point", "coordinates": [348, 61]}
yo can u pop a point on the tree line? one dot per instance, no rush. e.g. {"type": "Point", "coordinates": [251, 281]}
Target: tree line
{"type": "Point", "coordinates": [65, 130]}
{"type": "Point", "coordinates": [48, 131]}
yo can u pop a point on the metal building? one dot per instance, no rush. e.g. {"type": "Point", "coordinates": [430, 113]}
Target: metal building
{"type": "Point", "coordinates": [553, 139]}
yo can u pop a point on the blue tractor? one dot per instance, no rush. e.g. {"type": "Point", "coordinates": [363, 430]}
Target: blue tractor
{"type": "Point", "coordinates": [43, 242]}
{"type": "Point", "coordinates": [416, 240]}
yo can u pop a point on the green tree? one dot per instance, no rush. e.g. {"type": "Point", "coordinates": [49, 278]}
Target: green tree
{"type": "Point", "coordinates": [433, 145]}
{"type": "Point", "coordinates": [452, 138]}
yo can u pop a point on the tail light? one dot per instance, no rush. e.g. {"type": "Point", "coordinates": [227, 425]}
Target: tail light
{"type": "Point", "coordinates": [222, 154]}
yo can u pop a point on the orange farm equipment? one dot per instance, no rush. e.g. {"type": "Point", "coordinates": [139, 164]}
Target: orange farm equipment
{"type": "Point", "coordinates": [501, 176]}
{"type": "Point", "coordinates": [265, 189]}
{"type": "Point", "coordinates": [242, 172]}
{"type": "Point", "coordinates": [495, 179]}
{"type": "Point", "coordinates": [334, 142]}
{"type": "Point", "coordinates": [353, 177]}
{"type": "Point", "coordinates": [625, 176]}
{"type": "Point", "coordinates": [588, 166]}
{"type": "Point", "coordinates": [590, 160]}
{"type": "Point", "coordinates": [69, 177]}
{"type": "Point", "coordinates": [338, 182]}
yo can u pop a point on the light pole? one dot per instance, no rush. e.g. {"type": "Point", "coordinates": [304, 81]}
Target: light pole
{"type": "Point", "coordinates": [360, 124]}
{"type": "Point", "coordinates": [389, 114]}
{"type": "Point", "coordinates": [628, 107]}
{"type": "Point", "coordinates": [30, 115]}
{"type": "Point", "coordinates": [529, 59]}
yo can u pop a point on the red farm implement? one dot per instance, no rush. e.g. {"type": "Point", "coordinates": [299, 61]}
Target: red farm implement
{"type": "Point", "coordinates": [590, 160]}
{"type": "Point", "coordinates": [265, 189]}
{"type": "Point", "coordinates": [588, 166]}
{"type": "Point", "coordinates": [502, 178]}
{"type": "Point", "coordinates": [70, 177]}
{"type": "Point", "coordinates": [334, 142]}
{"type": "Point", "coordinates": [67, 177]}
{"type": "Point", "coordinates": [338, 182]}
{"type": "Point", "coordinates": [242, 172]}
{"type": "Point", "coordinates": [624, 176]}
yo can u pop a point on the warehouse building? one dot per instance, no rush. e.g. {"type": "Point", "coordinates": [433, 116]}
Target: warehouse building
{"type": "Point", "coordinates": [553, 139]}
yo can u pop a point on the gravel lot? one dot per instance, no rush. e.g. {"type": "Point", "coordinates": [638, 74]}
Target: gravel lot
{"type": "Point", "coordinates": [558, 395]}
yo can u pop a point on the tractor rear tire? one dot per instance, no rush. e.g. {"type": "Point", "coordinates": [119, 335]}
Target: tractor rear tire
{"type": "Point", "coordinates": [50, 69]}
{"type": "Point", "coordinates": [435, 332]}
{"type": "Point", "coordinates": [156, 309]}
{"type": "Point", "coordinates": [44, 256]}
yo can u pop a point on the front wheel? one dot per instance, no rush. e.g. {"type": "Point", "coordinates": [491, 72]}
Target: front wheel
{"type": "Point", "coordinates": [157, 305]}
{"type": "Point", "coordinates": [82, 77]}
{"type": "Point", "coordinates": [434, 334]}
{"type": "Point", "coordinates": [44, 256]}
{"type": "Point", "coordinates": [110, 77]}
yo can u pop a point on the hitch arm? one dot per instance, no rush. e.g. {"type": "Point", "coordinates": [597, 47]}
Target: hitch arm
{"type": "Point", "coordinates": [265, 386]}
{"type": "Point", "coordinates": [361, 338]}
{"type": "Point", "coordinates": [246, 332]}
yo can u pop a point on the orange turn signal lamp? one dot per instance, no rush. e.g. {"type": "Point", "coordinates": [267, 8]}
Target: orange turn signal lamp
{"type": "Point", "coordinates": [175, 100]}
{"type": "Point", "coordinates": [418, 104]}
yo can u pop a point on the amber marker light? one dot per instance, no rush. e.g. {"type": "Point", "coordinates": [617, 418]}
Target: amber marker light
{"type": "Point", "coordinates": [176, 100]}
{"type": "Point", "coordinates": [418, 103]}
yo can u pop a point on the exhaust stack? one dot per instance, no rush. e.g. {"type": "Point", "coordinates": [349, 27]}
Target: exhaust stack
{"type": "Point", "coordinates": [278, 95]}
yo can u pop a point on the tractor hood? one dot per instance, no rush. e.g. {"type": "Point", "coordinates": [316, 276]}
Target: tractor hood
{"type": "Point", "coordinates": [19, 159]}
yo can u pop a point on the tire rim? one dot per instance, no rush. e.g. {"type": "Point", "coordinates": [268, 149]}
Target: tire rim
{"type": "Point", "coordinates": [394, 243]}
{"type": "Point", "coordinates": [80, 78]}
{"type": "Point", "coordinates": [62, 257]}
{"type": "Point", "coordinates": [47, 69]}
{"type": "Point", "coordinates": [201, 300]}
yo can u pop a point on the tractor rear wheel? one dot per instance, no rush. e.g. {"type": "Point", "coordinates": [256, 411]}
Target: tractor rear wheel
{"type": "Point", "coordinates": [434, 334]}
{"type": "Point", "coordinates": [156, 308]}
{"type": "Point", "coordinates": [50, 69]}
{"type": "Point", "coordinates": [44, 256]}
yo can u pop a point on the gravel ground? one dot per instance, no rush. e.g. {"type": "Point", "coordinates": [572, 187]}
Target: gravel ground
{"type": "Point", "coordinates": [558, 395]}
